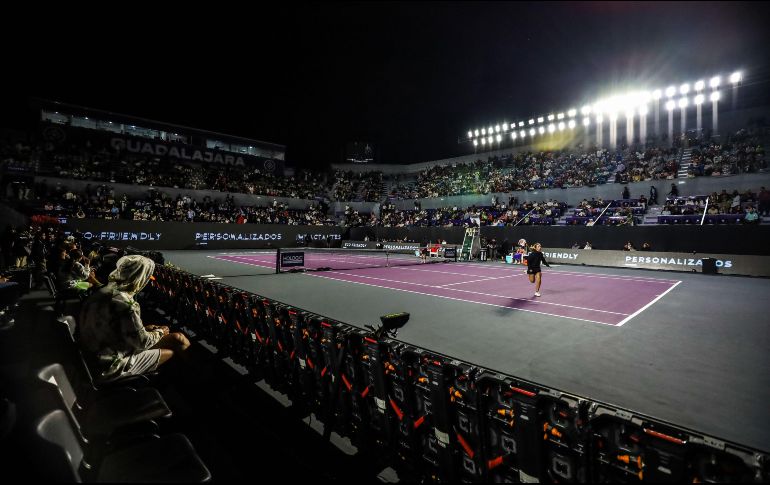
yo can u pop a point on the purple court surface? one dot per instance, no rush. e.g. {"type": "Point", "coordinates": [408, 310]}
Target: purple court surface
{"type": "Point", "coordinates": [598, 298]}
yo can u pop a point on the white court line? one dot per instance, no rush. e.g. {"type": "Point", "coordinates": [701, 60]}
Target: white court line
{"type": "Point", "coordinates": [476, 281]}
{"type": "Point", "coordinates": [463, 300]}
{"type": "Point", "coordinates": [566, 273]}
{"type": "Point", "coordinates": [239, 262]}
{"type": "Point", "coordinates": [510, 267]}
{"type": "Point", "coordinates": [540, 302]}
{"type": "Point", "coordinates": [648, 305]}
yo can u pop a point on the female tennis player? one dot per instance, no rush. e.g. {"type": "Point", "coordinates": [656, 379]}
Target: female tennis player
{"type": "Point", "coordinates": [534, 258]}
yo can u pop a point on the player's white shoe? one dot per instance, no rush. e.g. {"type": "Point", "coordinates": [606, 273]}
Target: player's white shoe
{"type": "Point", "coordinates": [537, 293]}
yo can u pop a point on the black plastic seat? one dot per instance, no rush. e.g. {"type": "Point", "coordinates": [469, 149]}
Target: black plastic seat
{"type": "Point", "coordinates": [108, 411]}
{"type": "Point", "coordinates": [170, 458]}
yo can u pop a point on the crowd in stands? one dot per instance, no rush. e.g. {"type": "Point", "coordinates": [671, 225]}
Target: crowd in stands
{"type": "Point", "coordinates": [360, 186]}
{"type": "Point", "coordinates": [748, 204]}
{"type": "Point", "coordinates": [741, 153]}
{"type": "Point", "coordinates": [104, 164]}
{"type": "Point", "coordinates": [531, 171]}
{"type": "Point", "coordinates": [101, 202]}
{"type": "Point", "coordinates": [499, 214]}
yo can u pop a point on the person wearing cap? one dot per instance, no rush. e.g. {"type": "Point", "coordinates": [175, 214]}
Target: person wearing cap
{"type": "Point", "coordinates": [115, 341]}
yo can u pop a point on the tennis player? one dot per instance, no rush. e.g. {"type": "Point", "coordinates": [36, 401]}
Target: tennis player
{"type": "Point", "coordinates": [534, 258]}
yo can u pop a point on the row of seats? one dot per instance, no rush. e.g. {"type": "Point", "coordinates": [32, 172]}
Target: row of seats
{"type": "Point", "coordinates": [73, 429]}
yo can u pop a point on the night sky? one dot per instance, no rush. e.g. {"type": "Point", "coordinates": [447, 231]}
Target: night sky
{"type": "Point", "coordinates": [409, 77]}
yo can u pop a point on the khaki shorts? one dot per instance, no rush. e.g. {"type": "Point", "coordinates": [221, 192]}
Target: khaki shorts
{"type": "Point", "coordinates": [142, 363]}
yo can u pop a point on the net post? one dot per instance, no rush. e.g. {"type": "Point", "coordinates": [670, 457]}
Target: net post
{"type": "Point", "coordinates": [278, 261]}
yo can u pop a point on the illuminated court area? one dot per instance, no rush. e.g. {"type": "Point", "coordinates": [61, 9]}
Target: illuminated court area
{"type": "Point", "coordinates": [665, 344]}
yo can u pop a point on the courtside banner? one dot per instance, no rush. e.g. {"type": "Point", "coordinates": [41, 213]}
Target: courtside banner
{"type": "Point", "coordinates": [734, 264]}
{"type": "Point", "coordinates": [292, 258]}
{"type": "Point", "coordinates": [202, 235]}
{"type": "Point", "coordinates": [393, 246]}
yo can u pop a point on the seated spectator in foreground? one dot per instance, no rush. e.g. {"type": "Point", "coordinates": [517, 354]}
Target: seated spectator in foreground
{"type": "Point", "coordinates": [646, 246]}
{"type": "Point", "coordinates": [112, 335]}
{"type": "Point", "coordinates": [751, 217]}
{"type": "Point", "coordinates": [588, 245]}
{"type": "Point", "coordinates": [629, 246]}
{"type": "Point", "coordinates": [75, 272]}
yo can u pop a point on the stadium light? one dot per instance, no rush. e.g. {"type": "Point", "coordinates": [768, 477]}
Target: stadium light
{"type": "Point", "coordinates": [476, 133]}
{"type": "Point", "coordinates": [551, 128]}
{"type": "Point", "coordinates": [470, 134]}
{"type": "Point", "coordinates": [497, 129]}
{"type": "Point", "coordinates": [670, 105]}
{"type": "Point", "coordinates": [484, 131]}
{"type": "Point", "coordinates": [613, 116]}
{"type": "Point", "coordinates": [550, 117]}
{"type": "Point", "coordinates": [735, 78]}
{"type": "Point", "coordinates": [483, 141]}
{"type": "Point", "coordinates": [670, 91]}
{"type": "Point", "coordinates": [643, 110]}
{"type": "Point", "coordinates": [656, 95]}
{"type": "Point", "coordinates": [513, 135]}
{"type": "Point", "coordinates": [540, 119]}
{"type": "Point", "coordinates": [571, 124]}
{"type": "Point", "coordinates": [560, 116]}
{"type": "Point", "coordinates": [699, 99]}
{"type": "Point", "coordinates": [490, 130]}
{"type": "Point", "coordinates": [684, 88]}
{"type": "Point", "coordinates": [586, 121]}
{"type": "Point", "coordinates": [523, 133]}
{"type": "Point", "coordinates": [561, 126]}
{"type": "Point", "coordinates": [532, 132]}
{"type": "Point", "coordinates": [475, 143]}
{"type": "Point", "coordinates": [490, 140]}
{"type": "Point", "coordinates": [541, 130]}
{"type": "Point", "coordinates": [714, 96]}
{"type": "Point", "coordinates": [585, 110]}
{"type": "Point", "coordinates": [499, 138]}
{"type": "Point", "coordinates": [531, 122]}
{"type": "Point", "coordinates": [571, 113]}
{"type": "Point", "coordinates": [700, 85]}
{"type": "Point", "coordinates": [505, 126]}
{"type": "Point", "coordinates": [629, 113]}
{"type": "Point", "coordinates": [683, 102]}
{"type": "Point", "coordinates": [521, 123]}
{"type": "Point", "coordinates": [714, 82]}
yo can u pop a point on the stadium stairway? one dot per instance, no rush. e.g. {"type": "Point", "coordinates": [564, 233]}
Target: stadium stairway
{"type": "Point", "coordinates": [684, 163]}
{"type": "Point", "coordinates": [651, 216]}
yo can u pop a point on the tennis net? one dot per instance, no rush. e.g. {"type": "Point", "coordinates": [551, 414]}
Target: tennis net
{"type": "Point", "coordinates": [322, 259]}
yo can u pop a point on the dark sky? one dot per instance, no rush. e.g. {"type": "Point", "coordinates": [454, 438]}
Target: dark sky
{"type": "Point", "coordinates": [409, 77]}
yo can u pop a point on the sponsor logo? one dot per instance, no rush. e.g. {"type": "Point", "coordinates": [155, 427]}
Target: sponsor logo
{"type": "Point", "coordinates": [401, 246]}
{"type": "Point", "coordinates": [561, 255]}
{"type": "Point", "coordinates": [642, 260]}
{"type": "Point", "coordinates": [355, 245]}
{"type": "Point", "coordinates": [237, 236]}
{"type": "Point", "coordinates": [293, 259]}
{"type": "Point", "coordinates": [122, 236]}
{"type": "Point", "coordinates": [319, 237]}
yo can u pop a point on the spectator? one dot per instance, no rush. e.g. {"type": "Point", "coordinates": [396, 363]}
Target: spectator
{"type": "Point", "coordinates": [751, 216]}
{"type": "Point", "coordinates": [626, 193]}
{"type": "Point", "coordinates": [112, 333]}
{"type": "Point", "coordinates": [764, 202]}
{"type": "Point", "coordinates": [653, 195]}
{"type": "Point", "coordinates": [674, 191]}
{"type": "Point", "coordinates": [646, 246]}
{"type": "Point", "coordinates": [629, 246]}
{"type": "Point", "coordinates": [588, 245]}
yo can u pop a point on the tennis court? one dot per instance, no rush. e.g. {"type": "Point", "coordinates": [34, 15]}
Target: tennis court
{"type": "Point", "coordinates": [684, 347]}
